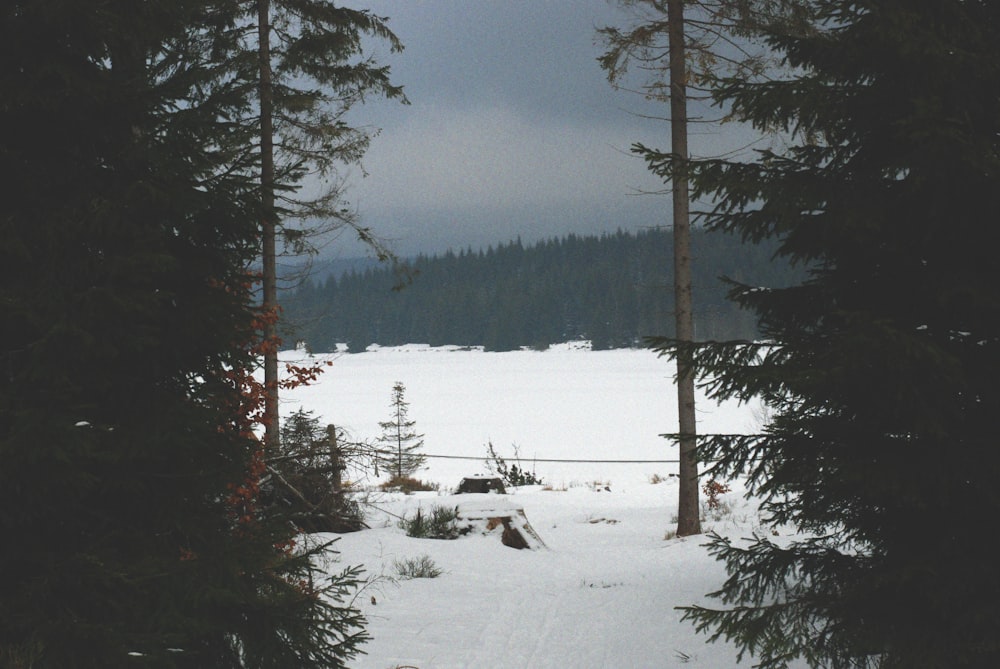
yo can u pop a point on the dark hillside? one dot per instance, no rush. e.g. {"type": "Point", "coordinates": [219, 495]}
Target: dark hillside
{"type": "Point", "coordinates": [613, 290]}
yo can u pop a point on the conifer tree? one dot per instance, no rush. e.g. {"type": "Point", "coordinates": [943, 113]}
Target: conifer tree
{"type": "Point", "coordinates": [400, 443]}
{"type": "Point", "coordinates": [304, 479]}
{"type": "Point", "coordinates": [880, 368]}
{"type": "Point", "coordinates": [127, 485]}
{"type": "Point", "coordinates": [310, 73]}
{"type": "Point", "coordinates": [677, 58]}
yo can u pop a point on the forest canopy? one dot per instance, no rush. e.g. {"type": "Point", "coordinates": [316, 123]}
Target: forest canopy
{"type": "Point", "coordinates": [613, 290]}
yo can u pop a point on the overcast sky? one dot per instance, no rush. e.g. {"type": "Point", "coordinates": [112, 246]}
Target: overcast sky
{"type": "Point", "coordinates": [512, 130]}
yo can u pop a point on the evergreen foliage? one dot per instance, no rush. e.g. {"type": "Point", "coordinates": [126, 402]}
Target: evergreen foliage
{"type": "Point", "coordinates": [308, 71]}
{"type": "Point", "coordinates": [613, 290]}
{"type": "Point", "coordinates": [128, 221]}
{"type": "Point", "coordinates": [880, 368]}
{"type": "Point", "coordinates": [440, 523]}
{"type": "Point", "coordinates": [399, 442]}
{"type": "Point", "coordinates": [304, 481]}
{"type": "Point", "coordinates": [318, 74]}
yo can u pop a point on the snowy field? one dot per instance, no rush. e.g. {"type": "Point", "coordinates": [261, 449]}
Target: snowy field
{"type": "Point", "coordinates": [601, 592]}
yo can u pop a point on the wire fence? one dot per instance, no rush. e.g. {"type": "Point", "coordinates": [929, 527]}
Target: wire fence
{"type": "Point", "coordinates": [559, 460]}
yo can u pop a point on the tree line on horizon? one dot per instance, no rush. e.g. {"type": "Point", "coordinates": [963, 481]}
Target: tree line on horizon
{"type": "Point", "coordinates": [613, 290]}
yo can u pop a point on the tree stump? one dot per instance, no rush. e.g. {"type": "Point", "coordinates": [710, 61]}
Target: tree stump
{"type": "Point", "coordinates": [481, 484]}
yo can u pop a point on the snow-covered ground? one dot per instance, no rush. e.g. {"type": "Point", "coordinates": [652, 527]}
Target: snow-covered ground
{"type": "Point", "coordinates": [602, 592]}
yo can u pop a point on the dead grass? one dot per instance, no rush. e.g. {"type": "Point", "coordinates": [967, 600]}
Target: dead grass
{"type": "Point", "coordinates": [407, 484]}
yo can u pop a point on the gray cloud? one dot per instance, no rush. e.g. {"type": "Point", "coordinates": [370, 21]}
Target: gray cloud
{"type": "Point", "coordinates": [513, 129]}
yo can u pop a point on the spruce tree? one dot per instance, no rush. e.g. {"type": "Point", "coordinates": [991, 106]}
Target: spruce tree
{"type": "Point", "coordinates": [676, 58]}
{"type": "Point", "coordinates": [304, 479]}
{"type": "Point", "coordinates": [127, 485]}
{"type": "Point", "coordinates": [310, 71]}
{"type": "Point", "coordinates": [880, 367]}
{"type": "Point", "coordinates": [399, 442]}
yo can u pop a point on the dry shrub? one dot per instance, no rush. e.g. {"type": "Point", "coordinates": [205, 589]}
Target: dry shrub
{"type": "Point", "coordinates": [420, 567]}
{"type": "Point", "coordinates": [408, 484]}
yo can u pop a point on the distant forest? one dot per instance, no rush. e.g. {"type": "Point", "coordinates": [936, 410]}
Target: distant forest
{"type": "Point", "coordinates": [613, 290]}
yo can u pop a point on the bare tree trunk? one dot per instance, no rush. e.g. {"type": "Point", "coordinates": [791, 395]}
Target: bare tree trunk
{"type": "Point", "coordinates": [268, 225]}
{"type": "Point", "coordinates": [688, 522]}
{"type": "Point", "coordinates": [336, 461]}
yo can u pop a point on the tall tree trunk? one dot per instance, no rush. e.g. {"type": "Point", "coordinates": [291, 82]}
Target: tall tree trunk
{"type": "Point", "coordinates": [336, 463]}
{"type": "Point", "coordinates": [267, 226]}
{"type": "Point", "coordinates": [688, 522]}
